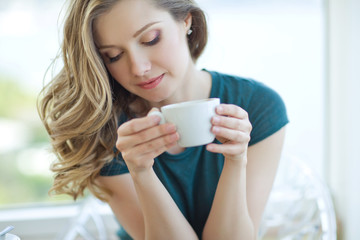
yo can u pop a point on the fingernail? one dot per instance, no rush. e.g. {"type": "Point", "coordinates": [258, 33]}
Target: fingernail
{"type": "Point", "coordinates": [216, 119]}
{"type": "Point", "coordinates": [215, 130]}
{"type": "Point", "coordinates": [219, 109]}
{"type": "Point", "coordinates": [155, 118]}
{"type": "Point", "coordinates": [209, 147]}
{"type": "Point", "coordinates": [174, 136]}
{"type": "Point", "coordinates": [170, 128]}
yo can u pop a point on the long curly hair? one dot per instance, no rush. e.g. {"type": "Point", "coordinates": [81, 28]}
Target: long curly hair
{"type": "Point", "coordinates": [81, 105]}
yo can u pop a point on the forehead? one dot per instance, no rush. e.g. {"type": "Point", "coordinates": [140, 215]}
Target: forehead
{"type": "Point", "coordinates": [125, 18]}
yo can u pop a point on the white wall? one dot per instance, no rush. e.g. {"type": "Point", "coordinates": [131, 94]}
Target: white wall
{"type": "Point", "coordinates": [344, 112]}
{"type": "Point", "coordinates": [280, 43]}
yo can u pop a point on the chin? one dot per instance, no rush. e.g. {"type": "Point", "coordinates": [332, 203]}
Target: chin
{"type": "Point", "coordinates": [158, 98]}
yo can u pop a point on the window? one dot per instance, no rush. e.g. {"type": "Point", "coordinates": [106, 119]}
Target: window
{"type": "Point", "coordinates": [280, 43]}
{"type": "Point", "coordinates": [29, 42]}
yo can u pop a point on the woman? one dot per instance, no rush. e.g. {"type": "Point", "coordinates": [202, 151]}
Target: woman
{"type": "Point", "coordinates": [125, 58]}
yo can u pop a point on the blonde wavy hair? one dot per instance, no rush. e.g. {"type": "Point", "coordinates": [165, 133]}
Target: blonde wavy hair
{"type": "Point", "coordinates": [81, 105]}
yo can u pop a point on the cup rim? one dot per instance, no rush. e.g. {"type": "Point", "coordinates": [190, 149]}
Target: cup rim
{"type": "Point", "coordinates": [187, 103]}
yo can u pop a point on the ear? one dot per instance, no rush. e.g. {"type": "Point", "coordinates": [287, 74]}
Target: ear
{"type": "Point", "coordinates": [188, 22]}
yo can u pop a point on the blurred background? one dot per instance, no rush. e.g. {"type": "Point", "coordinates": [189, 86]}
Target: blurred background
{"type": "Point", "coordinates": [28, 44]}
{"type": "Point", "coordinates": [307, 50]}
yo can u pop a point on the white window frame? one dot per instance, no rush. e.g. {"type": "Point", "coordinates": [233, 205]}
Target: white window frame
{"type": "Point", "coordinates": [343, 112]}
{"type": "Point", "coordinates": [48, 221]}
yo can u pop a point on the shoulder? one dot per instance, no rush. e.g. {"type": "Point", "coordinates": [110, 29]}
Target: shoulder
{"type": "Point", "coordinates": [240, 90]}
{"type": "Point", "coordinates": [229, 81]}
{"type": "Point", "coordinates": [265, 107]}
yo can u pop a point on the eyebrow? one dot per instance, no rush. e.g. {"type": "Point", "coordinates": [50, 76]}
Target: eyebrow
{"type": "Point", "coordinates": [144, 28]}
{"type": "Point", "coordinates": [137, 33]}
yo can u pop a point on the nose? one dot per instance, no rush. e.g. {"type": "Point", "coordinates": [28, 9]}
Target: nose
{"type": "Point", "coordinates": [139, 64]}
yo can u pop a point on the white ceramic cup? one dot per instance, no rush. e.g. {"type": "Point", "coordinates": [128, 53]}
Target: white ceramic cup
{"type": "Point", "coordinates": [192, 120]}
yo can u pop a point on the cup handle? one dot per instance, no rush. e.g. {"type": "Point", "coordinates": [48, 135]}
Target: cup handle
{"type": "Point", "coordinates": [157, 113]}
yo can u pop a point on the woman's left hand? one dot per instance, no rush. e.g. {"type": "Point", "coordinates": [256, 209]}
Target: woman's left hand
{"type": "Point", "coordinates": [232, 128]}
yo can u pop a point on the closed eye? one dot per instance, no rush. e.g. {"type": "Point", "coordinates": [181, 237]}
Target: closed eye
{"type": "Point", "coordinates": [114, 59]}
{"type": "Point", "coordinates": [149, 43]}
{"type": "Point", "coordinates": [154, 41]}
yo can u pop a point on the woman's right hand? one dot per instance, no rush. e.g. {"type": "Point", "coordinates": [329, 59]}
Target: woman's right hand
{"type": "Point", "coordinates": [140, 140]}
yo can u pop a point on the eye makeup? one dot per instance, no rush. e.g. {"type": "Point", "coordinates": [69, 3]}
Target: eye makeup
{"type": "Point", "coordinates": [154, 36]}
{"type": "Point", "coordinates": [154, 41]}
{"type": "Point", "coordinates": [114, 59]}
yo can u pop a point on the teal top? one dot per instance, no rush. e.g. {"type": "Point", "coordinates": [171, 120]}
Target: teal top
{"type": "Point", "coordinates": [191, 177]}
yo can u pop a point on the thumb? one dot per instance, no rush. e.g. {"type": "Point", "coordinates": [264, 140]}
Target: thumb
{"type": "Point", "coordinates": [156, 111]}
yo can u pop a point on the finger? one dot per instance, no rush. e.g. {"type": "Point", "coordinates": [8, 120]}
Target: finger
{"type": "Point", "coordinates": [149, 134]}
{"type": "Point", "coordinates": [146, 160]}
{"type": "Point", "coordinates": [151, 149]}
{"type": "Point", "coordinates": [231, 123]}
{"type": "Point", "coordinates": [158, 143]}
{"type": "Point", "coordinates": [231, 135]}
{"type": "Point", "coordinates": [137, 125]}
{"type": "Point", "coordinates": [231, 110]}
{"type": "Point", "coordinates": [154, 109]}
{"type": "Point", "coordinates": [227, 149]}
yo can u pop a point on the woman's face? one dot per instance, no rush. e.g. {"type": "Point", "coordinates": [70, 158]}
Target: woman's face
{"type": "Point", "coordinates": [144, 48]}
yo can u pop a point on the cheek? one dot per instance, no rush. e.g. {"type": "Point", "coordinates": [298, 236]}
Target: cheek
{"type": "Point", "coordinates": [173, 53]}
{"type": "Point", "coordinates": [118, 71]}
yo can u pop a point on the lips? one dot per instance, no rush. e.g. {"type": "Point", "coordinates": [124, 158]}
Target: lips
{"type": "Point", "coordinates": [151, 83]}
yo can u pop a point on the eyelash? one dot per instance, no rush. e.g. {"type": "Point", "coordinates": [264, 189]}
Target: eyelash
{"type": "Point", "coordinates": [154, 41]}
{"type": "Point", "coordinates": [150, 43]}
{"type": "Point", "coordinates": [114, 59]}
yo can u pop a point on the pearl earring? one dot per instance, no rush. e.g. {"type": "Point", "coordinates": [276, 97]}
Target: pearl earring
{"type": "Point", "coordinates": [189, 32]}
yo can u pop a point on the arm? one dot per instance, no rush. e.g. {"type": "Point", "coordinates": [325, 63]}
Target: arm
{"type": "Point", "coordinates": [246, 179]}
{"type": "Point", "coordinates": [162, 217]}
{"type": "Point", "coordinates": [125, 203]}
{"type": "Point", "coordinates": [139, 200]}
{"type": "Point", "coordinates": [261, 170]}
